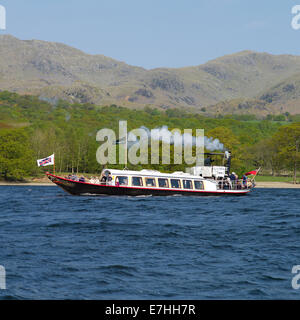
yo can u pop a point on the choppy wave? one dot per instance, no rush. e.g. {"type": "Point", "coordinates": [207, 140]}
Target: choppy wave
{"type": "Point", "coordinates": [59, 246]}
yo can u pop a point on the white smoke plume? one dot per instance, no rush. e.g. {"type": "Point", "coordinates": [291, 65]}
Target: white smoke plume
{"type": "Point", "coordinates": [165, 135]}
{"type": "Point", "coordinates": [212, 144]}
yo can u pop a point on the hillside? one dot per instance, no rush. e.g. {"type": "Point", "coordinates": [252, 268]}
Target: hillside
{"type": "Point", "coordinates": [54, 70]}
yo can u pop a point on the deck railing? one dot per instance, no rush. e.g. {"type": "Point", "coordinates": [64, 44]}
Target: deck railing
{"type": "Point", "coordinates": [234, 184]}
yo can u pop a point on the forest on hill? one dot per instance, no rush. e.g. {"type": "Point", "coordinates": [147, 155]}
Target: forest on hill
{"type": "Point", "coordinates": [32, 128]}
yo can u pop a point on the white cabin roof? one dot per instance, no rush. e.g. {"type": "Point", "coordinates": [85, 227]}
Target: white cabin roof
{"type": "Point", "coordinates": [153, 173]}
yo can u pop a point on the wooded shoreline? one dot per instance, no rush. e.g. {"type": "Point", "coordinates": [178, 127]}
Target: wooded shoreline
{"type": "Point", "coordinates": [32, 129]}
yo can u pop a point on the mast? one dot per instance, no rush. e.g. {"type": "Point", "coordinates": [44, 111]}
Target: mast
{"type": "Point", "coordinates": [54, 163]}
{"type": "Point", "coordinates": [125, 152]}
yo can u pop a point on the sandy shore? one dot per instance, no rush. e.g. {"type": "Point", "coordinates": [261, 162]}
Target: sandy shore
{"type": "Point", "coordinates": [282, 185]}
{"type": "Point", "coordinates": [27, 184]}
{"type": "Point", "coordinates": [279, 185]}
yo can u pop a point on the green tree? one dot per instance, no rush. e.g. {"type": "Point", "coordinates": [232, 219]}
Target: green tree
{"type": "Point", "coordinates": [287, 140]}
{"type": "Point", "coordinates": [231, 143]}
{"type": "Point", "coordinates": [16, 159]}
{"type": "Point", "coordinates": [264, 154]}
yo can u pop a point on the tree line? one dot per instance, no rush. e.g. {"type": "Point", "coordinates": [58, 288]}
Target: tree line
{"type": "Point", "coordinates": [32, 128]}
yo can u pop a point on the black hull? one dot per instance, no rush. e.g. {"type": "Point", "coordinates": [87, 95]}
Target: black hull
{"type": "Point", "coordinates": [82, 188]}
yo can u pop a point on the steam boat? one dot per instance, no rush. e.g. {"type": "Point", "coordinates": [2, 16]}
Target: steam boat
{"type": "Point", "coordinates": [204, 180]}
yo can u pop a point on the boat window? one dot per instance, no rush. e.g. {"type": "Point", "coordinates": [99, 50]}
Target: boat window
{"type": "Point", "coordinates": [163, 183]}
{"type": "Point", "coordinates": [175, 183]}
{"type": "Point", "coordinates": [122, 181]}
{"type": "Point", "coordinates": [187, 184]}
{"type": "Point", "coordinates": [150, 182]}
{"type": "Point", "coordinates": [137, 181]}
{"type": "Point", "coordinates": [198, 185]}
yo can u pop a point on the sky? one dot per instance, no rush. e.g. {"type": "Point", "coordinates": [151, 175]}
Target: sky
{"type": "Point", "coordinates": [158, 33]}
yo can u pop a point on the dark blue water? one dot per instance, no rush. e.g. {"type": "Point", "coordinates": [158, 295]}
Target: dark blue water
{"type": "Point", "coordinates": [57, 246]}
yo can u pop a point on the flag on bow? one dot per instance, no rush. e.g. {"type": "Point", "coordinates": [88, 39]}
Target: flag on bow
{"type": "Point", "coordinates": [254, 172]}
{"type": "Point", "coordinates": [46, 161]}
{"type": "Point", "coordinates": [251, 172]}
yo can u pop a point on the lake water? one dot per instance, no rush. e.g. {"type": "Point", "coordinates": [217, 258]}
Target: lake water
{"type": "Point", "coordinates": [57, 246]}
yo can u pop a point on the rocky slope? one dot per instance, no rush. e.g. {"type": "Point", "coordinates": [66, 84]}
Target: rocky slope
{"type": "Point", "coordinates": [54, 70]}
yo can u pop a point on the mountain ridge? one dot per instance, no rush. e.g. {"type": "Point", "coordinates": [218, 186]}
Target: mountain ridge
{"type": "Point", "coordinates": [56, 70]}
